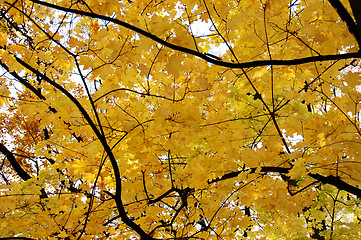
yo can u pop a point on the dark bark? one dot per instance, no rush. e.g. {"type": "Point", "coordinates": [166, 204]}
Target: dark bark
{"type": "Point", "coordinates": [337, 182]}
{"type": "Point", "coordinates": [16, 166]}
{"type": "Point", "coordinates": [332, 180]}
{"type": "Point", "coordinates": [117, 196]}
{"type": "Point", "coordinates": [356, 10]}
{"type": "Point", "coordinates": [346, 17]}
{"type": "Point", "coordinates": [24, 82]}
{"type": "Point", "coordinates": [204, 56]}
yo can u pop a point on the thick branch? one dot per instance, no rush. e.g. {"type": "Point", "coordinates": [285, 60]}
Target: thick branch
{"type": "Point", "coordinates": [356, 10]}
{"type": "Point", "coordinates": [337, 182]}
{"type": "Point", "coordinates": [103, 141]}
{"type": "Point", "coordinates": [346, 17]}
{"type": "Point", "coordinates": [24, 82]}
{"type": "Point", "coordinates": [332, 180]}
{"type": "Point", "coordinates": [250, 170]}
{"type": "Point", "coordinates": [18, 169]}
{"type": "Point", "coordinates": [204, 55]}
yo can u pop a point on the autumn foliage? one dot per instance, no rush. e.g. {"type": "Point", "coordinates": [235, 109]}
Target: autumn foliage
{"type": "Point", "coordinates": [204, 119]}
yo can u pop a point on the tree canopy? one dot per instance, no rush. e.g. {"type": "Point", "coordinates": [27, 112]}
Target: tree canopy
{"type": "Point", "coordinates": [165, 119]}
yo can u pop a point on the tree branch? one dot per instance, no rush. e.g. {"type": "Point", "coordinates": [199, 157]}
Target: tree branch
{"type": "Point", "coordinates": [205, 56]}
{"type": "Point", "coordinates": [250, 170]}
{"type": "Point", "coordinates": [23, 81]}
{"type": "Point", "coordinates": [346, 17]}
{"type": "Point", "coordinates": [332, 180]}
{"type": "Point", "coordinates": [356, 10]}
{"type": "Point", "coordinates": [16, 166]}
{"type": "Point", "coordinates": [117, 196]}
{"type": "Point", "coordinates": [337, 182]}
